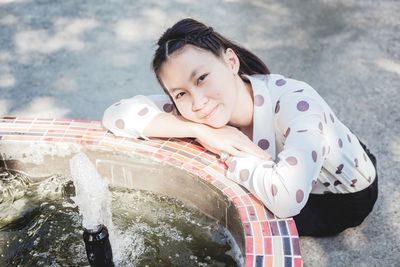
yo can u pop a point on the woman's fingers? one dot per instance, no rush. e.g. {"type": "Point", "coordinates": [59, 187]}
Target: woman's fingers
{"type": "Point", "coordinates": [251, 148]}
{"type": "Point", "coordinates": [230, 140]}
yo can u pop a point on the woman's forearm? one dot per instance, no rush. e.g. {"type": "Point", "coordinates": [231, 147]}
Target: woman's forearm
{"type": "Point", "coordinates": [169, 125]}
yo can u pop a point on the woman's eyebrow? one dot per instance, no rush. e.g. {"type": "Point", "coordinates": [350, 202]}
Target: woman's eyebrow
{"type": "Point", "coordinates": [192, 75]}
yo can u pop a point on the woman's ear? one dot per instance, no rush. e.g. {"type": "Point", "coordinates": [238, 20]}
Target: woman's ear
{"type": "Point", "coordinates": [232, 60]}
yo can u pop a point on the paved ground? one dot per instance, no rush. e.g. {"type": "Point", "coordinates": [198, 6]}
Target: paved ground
{"type": "Point", "coordinates": [74, 58]}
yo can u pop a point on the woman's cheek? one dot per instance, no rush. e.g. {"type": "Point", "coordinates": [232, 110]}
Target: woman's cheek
{"type": "Point", "coordinates": [188, 114]}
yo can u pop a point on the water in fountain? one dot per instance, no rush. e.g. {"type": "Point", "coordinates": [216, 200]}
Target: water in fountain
{"type": "Point", "coordinates": [92, 195]}
{"type": "Point", "coordinates": [94, 201]}
{"type": "Point", "coordinates": [40, 225]}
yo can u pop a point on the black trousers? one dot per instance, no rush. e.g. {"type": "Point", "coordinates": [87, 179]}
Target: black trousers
{"type": "Point", "coordinates": [330, 214]}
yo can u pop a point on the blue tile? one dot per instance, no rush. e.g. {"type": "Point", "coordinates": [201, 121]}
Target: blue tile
{"type": "Point", "coordinates": [288, 262]}
{"type": "Point", "coordinates": [283, 227]}
{"type": "Point", "coordinates": [259, 261]}
{"type": "Point", "coordinates": [286, 246]}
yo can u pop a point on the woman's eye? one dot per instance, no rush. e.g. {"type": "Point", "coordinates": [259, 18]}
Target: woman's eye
{"type": "Point", "coordinates": [179, 95]}
{"type": "Point", "coordinates": [201, 78]}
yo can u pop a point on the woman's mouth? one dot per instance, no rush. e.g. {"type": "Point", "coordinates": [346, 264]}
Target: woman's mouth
{"type": "Point", "coordinates": [211, 113]}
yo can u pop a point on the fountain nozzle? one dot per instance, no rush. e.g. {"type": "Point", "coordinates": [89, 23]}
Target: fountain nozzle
{"type": "Point", "coordinates": [98, 247]}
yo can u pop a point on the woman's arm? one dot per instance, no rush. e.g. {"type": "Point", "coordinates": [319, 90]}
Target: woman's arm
{"type": "Point", "coordinates": [284, 186]}
{"type": "Point", "coordinates": [142, 117]}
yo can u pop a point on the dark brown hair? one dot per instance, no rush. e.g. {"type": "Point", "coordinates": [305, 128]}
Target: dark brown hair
{"type": "Point", "coordinates": [190, 31]}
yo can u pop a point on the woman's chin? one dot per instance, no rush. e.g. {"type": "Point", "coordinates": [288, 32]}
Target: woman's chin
{"type": "Point", "coordinates": [216, 124]}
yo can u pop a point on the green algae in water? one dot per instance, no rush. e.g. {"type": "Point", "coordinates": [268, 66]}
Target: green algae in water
{"type": "Point", "coordinates": [40, 226]}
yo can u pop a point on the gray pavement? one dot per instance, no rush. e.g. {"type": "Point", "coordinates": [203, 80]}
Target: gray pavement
{"type": "Point", "coordinates": [73, 58]}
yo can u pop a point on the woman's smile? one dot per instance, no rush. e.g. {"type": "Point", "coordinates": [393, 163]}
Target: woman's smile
{"type": "Point", "coordinates": [211, 113]}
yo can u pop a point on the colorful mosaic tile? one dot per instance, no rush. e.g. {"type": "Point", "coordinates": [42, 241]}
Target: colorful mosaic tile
{"type": "Point", "coordinates": [269, 241]}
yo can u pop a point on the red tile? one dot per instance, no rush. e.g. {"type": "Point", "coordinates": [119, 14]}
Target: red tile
{"type": "Point", "coordinates": [267, 261]}
{"type": "Point", "coordinates": [246, 200]}
{"type": "Point", "coordinates": [249, 245]}
{"type": "Point", "coordinates": [268, 246]}
{"type": "Point", "coordinates": [265, 228]}
{"type": "Point", "coordinates": [298, 262]}
{"type": "Point", "coordinates": [292, 227]}
{"type": "Point", "coordinates": [249, 261]}
{"type": "Point", "coordinates": [243, 214]}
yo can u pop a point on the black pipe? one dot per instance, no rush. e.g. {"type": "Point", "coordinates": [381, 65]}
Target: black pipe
{"type": "Point", "coordinates": [98, 247]}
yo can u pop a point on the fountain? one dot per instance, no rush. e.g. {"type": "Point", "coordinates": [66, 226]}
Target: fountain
{"type": "Point", "coordinates": [163, 191]}
{"type": "Point", "coordinates": [94, 202]}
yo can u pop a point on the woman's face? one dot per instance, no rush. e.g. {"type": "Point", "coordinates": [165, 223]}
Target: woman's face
{"type": "Point", "coordinates": [203, 86]}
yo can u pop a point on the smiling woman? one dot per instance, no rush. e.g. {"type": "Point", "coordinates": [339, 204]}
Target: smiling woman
{"type": "Point", "coordinates": [283, 141]}
{"type": "Point", "coordinates": [207, 86]}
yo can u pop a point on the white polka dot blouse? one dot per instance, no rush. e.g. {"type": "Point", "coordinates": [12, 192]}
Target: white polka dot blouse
{"type": "Point", "coordinates": [312, 150]}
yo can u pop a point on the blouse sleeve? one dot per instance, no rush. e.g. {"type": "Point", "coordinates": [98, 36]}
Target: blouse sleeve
{"type": "Point", "coordinates": [284, 186]}
{"type": "Point", "coordinates": [129, 117]}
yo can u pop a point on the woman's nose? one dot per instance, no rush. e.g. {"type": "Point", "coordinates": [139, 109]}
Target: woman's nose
{"type": "Point", "coordinates": [199, 100]}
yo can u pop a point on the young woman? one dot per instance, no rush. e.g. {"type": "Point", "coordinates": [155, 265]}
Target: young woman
{"type": "Point", "coordinates": [279, 138]}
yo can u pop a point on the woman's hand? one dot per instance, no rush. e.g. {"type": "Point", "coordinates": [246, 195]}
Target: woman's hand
{"type": "Point", "coordinates": [228, 139]}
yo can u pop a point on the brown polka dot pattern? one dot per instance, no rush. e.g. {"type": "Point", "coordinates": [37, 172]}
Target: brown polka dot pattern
{"type": "Point", "coordinates": [299, 91]}
{"type": "Point", "coordinates": [365, 157]}
{"type": "Point", "coordinates": [287, 133]}
{"type": "Point", "coordinates": [332, 118]}
{"type": "Point", "coordinates": [299, 195]}
{"type": "Point", "coordinates": [168, 107]}
{"type": "Point", "coordinates": [348, 138]}
{"type": "Point", "coordinates": [339, 169]}
{"type": "Point", "coordinates": [258, 100]}
{"type": "Point", "coordinates": [340, 143]}
{"type": "Point", "coordinates": [356, 162]}
{"type": "Point", "coordinates": [117, 104]}
{"type": "Point", "coordinates": [325, 118]}
{"type": "Point", "coordinates": [302, 106]}
{"type": "Point", "coordinates": [291, 160]}
{"type": "Point", "coordinates": [274, 190]}
{"type": "Point", "coordinates": [280, 82]}
{"type": "Point", "coordinates": [314, 156]}
{"type": "Point", "coordinates": [263, 143]}
{"type": "Point", "coordinates": [277, 107]}
{"type": "Point", "coordinates": [320, 126]}
{"type": "Point", "coordinates": [120, 124]}
{"type": "Point", "coordinates": [244, 175]}
{"type": "Point", "coordinates": [232, 166]}
{"type": "Point", "coordinates": [143, 111]}
{"type": "Point", "coordinates": [337, 182]}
